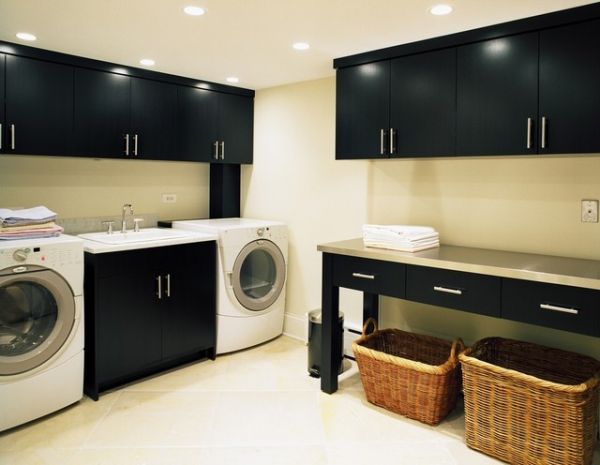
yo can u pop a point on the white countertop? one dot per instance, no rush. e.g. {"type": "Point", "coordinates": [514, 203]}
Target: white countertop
{"type": "Point", "coordinates": [186, 237]}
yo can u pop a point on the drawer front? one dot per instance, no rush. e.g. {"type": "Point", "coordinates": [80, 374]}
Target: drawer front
{"type": "Point", "coordinates": [562, 307]}
{"type": "Point", "coordinates": [454, 289]}
{"type": "Point", "coordinates": [374, 276]}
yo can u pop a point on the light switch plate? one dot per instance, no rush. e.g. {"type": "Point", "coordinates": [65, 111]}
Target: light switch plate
{"type": "Point", "coordinates": [169, 198]}
{"type": "Point", "coordinates": [589, 211]}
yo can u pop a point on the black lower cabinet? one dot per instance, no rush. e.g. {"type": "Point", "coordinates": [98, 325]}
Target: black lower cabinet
{"type": "Point", "coordinates": [147, 310]}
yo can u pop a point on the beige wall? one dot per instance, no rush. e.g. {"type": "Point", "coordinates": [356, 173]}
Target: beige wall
{"type": "Point", "coordinates": [84, 187]}
{"type": "Point", "coordinates": [529, 204]}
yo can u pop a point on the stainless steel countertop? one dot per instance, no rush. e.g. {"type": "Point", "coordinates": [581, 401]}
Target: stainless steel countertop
{"type": "Point", "coordinates": [542, 268]}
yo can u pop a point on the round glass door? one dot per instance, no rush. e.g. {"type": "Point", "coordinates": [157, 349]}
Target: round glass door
{"type": "Point", "coordinates": [258, 275]}
{"type": "Point", "coordinates": [37, 313]}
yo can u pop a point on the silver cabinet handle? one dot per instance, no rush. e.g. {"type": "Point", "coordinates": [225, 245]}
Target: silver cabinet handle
{"type": "Point", "coordinates": [216, 145]}
{"type": "Point", "coordinates": [447, 290]}
{"type": "Point", "coordinates": [543, 143]}
{"type": "Point", "coordinates": [159, 292]}
{"type": "Point", "coordinates": [363, 276]}
{"type": "Point", "coordinates": [529, 126]}
{"type": "Point", "coordinates": [168, 285]}
{"type": "Point", "coordinates": [381, 141]}
{"type": "Point", "coordinates": [127, 144]}
{"type": "Point", "coordinates": [13, 136]}
{"type": "Point", "coordinates": [556, 308]}
{"type": "Point", "coordinates": [222, 150]}
{"type": "Point", "coordinates": [392, 135]}
{"type": "Point", "coordinates": [135, 145]}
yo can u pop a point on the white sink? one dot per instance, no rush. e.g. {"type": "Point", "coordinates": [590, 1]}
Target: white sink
{"type": "Point", "coordinates": [130, 237]}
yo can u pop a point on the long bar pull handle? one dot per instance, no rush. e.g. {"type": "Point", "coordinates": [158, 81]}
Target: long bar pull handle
{"type": "Point", "coordinates": [529, 126]}
{"type": "Point", "coordinates": [13, 136]}
{"type": "Point", "coordinates": [222, 150]}
{"type": "Point", "coordinates": [392, 136]}
{"type": "Point", "coordinates": [168, 285]}
{"type": "Point", "coordinates": [556, 308]}
{"type": "Point", "coordinates": [159, 282]}
{"type": "Point", "coordinates": [135, 145]}
{"type": "Point", "coordinates": [544, 123]}
{"type": "Point", "coordinates": [127, 144]}
{"type": "Point", "coordinates": [363, 276]}
{"type": "Point", "coordinates": [216, 146]}
{"type": "Point", "coordinates": [381, 141]}
{"type": "Point", "coordinates": [447, 290]}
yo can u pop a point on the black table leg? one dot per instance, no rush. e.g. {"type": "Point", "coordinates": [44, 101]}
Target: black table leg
{"type": "Point", "coordinates": [370, 306]}
{"type": "Point", "coordinates": [330, 297]}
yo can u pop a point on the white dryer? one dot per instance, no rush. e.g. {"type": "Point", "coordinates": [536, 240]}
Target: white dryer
{"type": "Point", "coordinates": [41, 327]}
{"type": "Point", "coordinates": [251, 277]}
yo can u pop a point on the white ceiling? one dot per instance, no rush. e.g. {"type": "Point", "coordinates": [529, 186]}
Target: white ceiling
{"type": "Point", "coordinates": [250, 39]}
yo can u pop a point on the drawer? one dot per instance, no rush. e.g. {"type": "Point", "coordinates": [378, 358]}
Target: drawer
{"type": "Point", "coordinates": [374, 276]}
{"type": "Point", "coordinates": [562, 307]}
{"type": "Point", "coordinates": [454, 289]}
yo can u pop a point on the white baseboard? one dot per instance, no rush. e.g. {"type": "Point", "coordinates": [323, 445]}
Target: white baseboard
{"type": "Point", "coordinates": [296, 326]}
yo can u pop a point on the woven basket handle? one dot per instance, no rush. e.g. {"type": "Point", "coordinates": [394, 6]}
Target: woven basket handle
{"type": "Point", "coordinates": [457, 347]}
{"type": "Point", "coordinates": [370, 321]}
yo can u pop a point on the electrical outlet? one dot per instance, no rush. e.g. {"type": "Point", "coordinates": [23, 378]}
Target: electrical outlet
{"type": "Point", "coordinates": [169, 198]}
{"type": "Point", "coordinates": [589, 211]}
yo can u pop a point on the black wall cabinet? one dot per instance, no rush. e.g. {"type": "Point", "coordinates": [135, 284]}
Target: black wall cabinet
{"type": "Point", "coordinates": [235, 137]}
{"type": "Point", "coordinates": [147, 310]}
{"type": "Point", "coordinates": [38, 106]}
{"type": "Point", "coordinates": [3, 131]}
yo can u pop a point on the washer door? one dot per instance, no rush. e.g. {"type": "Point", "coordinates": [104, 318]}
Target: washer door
{"type": "Point", "coordinates": [258, 275]}
{"type": "Point", "coordinates": [37, 314]}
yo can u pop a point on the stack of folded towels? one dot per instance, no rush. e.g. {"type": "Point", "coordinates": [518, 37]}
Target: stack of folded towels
{"type": "Point", "coordinates": [400, 237]}
{"type": "Point", "coordinates": [29, 223]}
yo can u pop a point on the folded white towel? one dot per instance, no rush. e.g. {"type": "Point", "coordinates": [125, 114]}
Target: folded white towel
{"type": "Point", "coordinates": [406, 238]}
{"type": "Point", "coordinates": [398, 229]}
{"type": "Point", "coordinates": [33, 215]}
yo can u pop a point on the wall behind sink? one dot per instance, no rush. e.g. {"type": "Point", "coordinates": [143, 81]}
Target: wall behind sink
{"type": "Point", "coordinates": [86, 187]}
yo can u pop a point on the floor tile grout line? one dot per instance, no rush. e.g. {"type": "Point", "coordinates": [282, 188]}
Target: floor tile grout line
{"type": "Point", "coordinates": [100, 420]}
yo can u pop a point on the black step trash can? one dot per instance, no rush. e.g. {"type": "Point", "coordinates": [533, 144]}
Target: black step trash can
{"type": "Point", "coordinates": [315, 329]}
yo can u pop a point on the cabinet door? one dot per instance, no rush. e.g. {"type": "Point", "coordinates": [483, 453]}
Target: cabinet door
{"type": "Point", "coordinates": [236, 118]}
{"type": "Point", "coordinates": [128, 325]}
{"type": "Point", "coordinates": [3, 130]}
{"type": "Point", "coordinates": [363, 111]}
{"type": "Point", "coordinates": [101, 113]}
{"type": "Point", "coordinates": [497, 84]}
{"type": "Point", "coordinates": [189, 312]}
{"type": "Point", "coordinates": [197, 124]}
{"type": "Point", "coordinates": [569, 79]}
{"type": "Point", "coordinates": [39, 107]}
{"type": "Point", "coordinates": [423, 104]}
{"type": "Point", "coordinates": [153, 119]}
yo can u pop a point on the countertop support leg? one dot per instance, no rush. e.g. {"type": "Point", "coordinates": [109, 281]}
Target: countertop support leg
{"type": "Point", "coordinates": [370, 306]}
{"type": "Point", "coordinates": [330, 296]}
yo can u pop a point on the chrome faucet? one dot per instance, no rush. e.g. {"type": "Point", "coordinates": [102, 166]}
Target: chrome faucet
{"type": "Point", "coordinates": [123, 221]}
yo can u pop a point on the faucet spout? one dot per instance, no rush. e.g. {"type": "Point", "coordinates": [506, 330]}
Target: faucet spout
{"type": "Point", "coordinates": [123, 220]}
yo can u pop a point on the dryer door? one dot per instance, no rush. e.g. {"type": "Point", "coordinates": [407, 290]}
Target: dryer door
{"type": "Point", "coordinates": [37, 314]}
{"type": "Point", "coordinates": [258, 275]}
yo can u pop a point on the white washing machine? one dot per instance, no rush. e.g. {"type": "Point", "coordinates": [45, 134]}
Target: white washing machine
{"type": "Point", "coordinates": [252, 269]}
{"type": "Point", "coordinates": [41, 327]}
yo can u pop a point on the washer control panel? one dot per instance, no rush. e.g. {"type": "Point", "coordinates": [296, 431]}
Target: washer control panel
{"type": "Point", "coordinates": [50, 256]}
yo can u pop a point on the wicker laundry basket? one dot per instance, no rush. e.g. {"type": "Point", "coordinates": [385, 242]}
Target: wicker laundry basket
{"type": "Point", "coordinates": [411, 374]}
{"type": "Point", "coordinates": [529, 404]}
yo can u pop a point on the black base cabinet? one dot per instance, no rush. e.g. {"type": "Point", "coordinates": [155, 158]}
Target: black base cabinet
{"type": "Point", "coordinates": [147, 310]}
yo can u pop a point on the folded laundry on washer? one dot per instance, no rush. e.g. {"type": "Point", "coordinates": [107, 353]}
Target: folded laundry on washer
{"type": "Point", "coordinates": [406, 238]}
{"type": "Point", "coordinates": [25, 216]}
{"type": "Point", "coordinates": [51, 231]}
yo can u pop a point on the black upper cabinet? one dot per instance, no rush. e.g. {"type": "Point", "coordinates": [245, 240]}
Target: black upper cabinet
{"type": "Point", "coordinates": [569, 88]}
{"type": "Point", "coordinates": [38, 115]}
{"type": "Point", "coordinates": [3, 131]}
{"type": "Point", "coordinates": [102, 113]}
{"type": "Point", "coordinates": [363, 111]}
{"type": "Point", "coordinates": [497, 96]}
{"type": "Point", "coordinates": [235, 122]}
{"type": "Point", "coordinates": [423, 104]}
{"type": "Point", "coordinates": [197, 125]}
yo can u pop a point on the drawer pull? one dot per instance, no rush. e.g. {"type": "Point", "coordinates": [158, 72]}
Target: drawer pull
{"type": "Point", "coordinates": [556, 308]}
{"type": "Point", "coordinates": [447, 290]}
{"type": "Point", "coordinates": [364, 276]}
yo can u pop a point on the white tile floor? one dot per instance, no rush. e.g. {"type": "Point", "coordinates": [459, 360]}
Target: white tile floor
{"type": "Point", "coordinates": [258, 406]}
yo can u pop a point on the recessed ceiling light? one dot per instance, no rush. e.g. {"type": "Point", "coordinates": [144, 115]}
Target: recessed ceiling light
{"type": "Point", "coordinates": [301, 46]}
{"type": "Point", "coordinates": [147, 62]}
{"type": "Point", "coordinates": [194, 10]}
{"type": "Point", "coordinates": [233, 79]}
{"type": "Point", "coordinates": [440, 10]}
{"type": "Point", "coordinates": [26, 36]}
